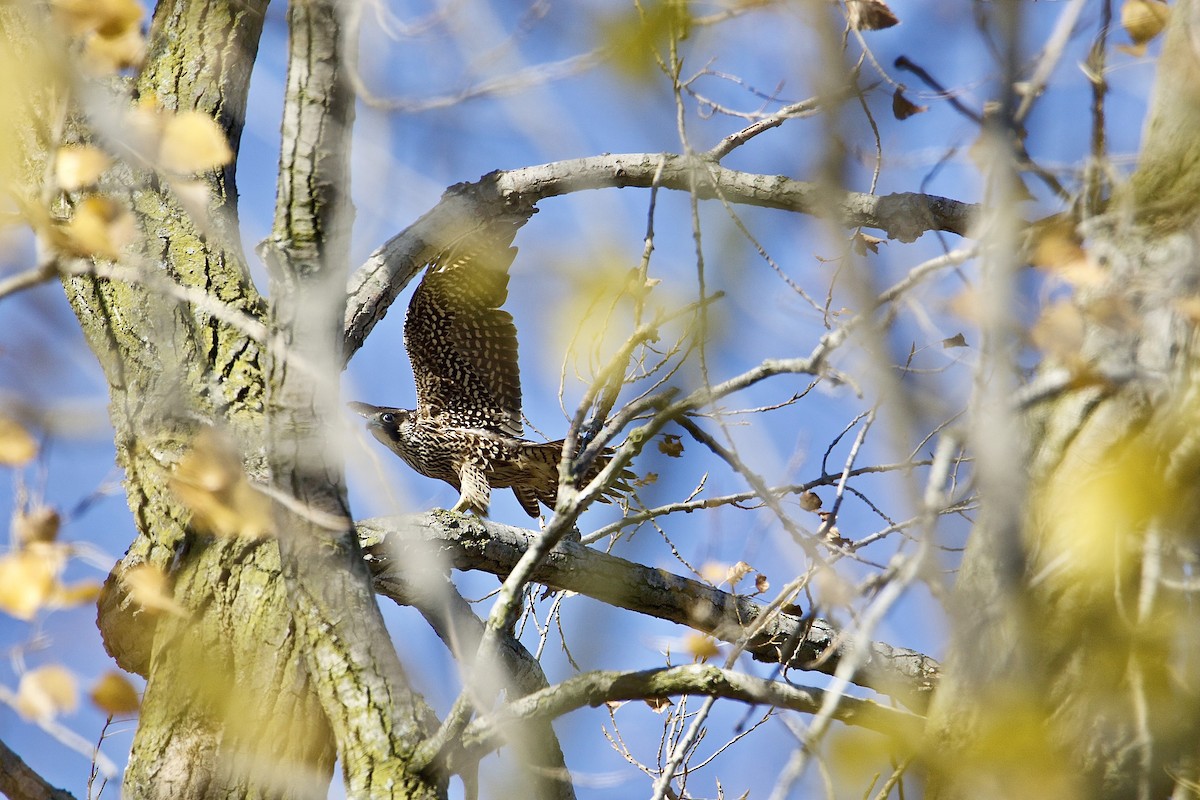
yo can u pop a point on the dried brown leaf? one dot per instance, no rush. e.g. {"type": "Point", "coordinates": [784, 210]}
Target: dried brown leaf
{"type": "Point", "coordinates": [870, 15]}
{"type": "Point", "coordinates": [738, 571]}
{"type": "Point", "coordinates": [863, 242]}
{"type": "Point", "coordinates": [671, 446]}
{"type": "Point", "coordinates": [659, 704]}
{"type": "Point", "coordinates": [903, 108]}
{"type": "Point", "coordinates": [114, 695]}
{"type": "Point", "coordinates": [35, 525]}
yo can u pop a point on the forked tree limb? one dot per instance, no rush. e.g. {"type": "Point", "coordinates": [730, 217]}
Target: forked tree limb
{"type": "Point", "coordinates": [443, 540]}
{"type": "Point", "coordinates": [510, 198]}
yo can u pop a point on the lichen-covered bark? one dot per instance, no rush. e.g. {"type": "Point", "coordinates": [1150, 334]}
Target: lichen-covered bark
{"type": "Point", "coordinates": [229, 709]}
{"type": "Point", "coordinates": [376, 718]}
{"type": "Point", "coordinates": [1074, 663]}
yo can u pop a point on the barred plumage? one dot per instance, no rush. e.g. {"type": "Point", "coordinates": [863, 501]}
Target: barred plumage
{"type": "Point", "coordinates": [466, 427]}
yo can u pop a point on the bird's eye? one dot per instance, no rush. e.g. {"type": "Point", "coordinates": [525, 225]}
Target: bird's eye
{"type": "Point", "coordinates": [388, 418]}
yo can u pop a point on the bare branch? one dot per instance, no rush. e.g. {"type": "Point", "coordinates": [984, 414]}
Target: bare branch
{"type": "Point", "coordinates": [47, 270]}
{"type": "Point", "coordinates": [595, 688]}
{"type": "Point", "coordinates": [469, 543]}
{"type": "Point", "coordinates": [510, 197]}
{"type": "Point", "coordinates": [18, 781]}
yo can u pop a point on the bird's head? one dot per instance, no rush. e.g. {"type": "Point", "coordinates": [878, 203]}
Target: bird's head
{"type": "Point", "coordinates": [383, 423]}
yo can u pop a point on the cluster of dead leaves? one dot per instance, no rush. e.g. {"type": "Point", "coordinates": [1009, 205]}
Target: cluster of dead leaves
{"type": "Point", "coordinates": [51, 690]}
{"type": "Point", "coordinates": [106, 36]}
{"type": "Point", "coordinates": [718, 574]}
{"type": "Point", "coordinates": [176, 144]}
{"type": "Point", "coordinates": [210, 481]}
{"type": "Point", "coordinates": [108, 32]}
{"type": "Point", "coordinates": [31, 580]}
{"type": "Point", "coordinates": [30, 572]}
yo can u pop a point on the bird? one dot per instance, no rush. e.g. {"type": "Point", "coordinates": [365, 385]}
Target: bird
{"type": "Point", "coordinates": [467, 427]}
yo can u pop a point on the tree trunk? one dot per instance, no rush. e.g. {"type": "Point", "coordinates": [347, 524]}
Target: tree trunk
{"type": "Point", "coordinates": [1065, 676]}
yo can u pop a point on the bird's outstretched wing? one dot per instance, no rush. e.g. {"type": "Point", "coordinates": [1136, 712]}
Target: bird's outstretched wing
{"type": "Point", "coordinates": [463, 348]}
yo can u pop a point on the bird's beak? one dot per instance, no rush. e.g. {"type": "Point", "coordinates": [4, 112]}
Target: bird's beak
{"type": "Point", "coordinates": [363, 409]}
{"type": "Point", "coordinates": [366, 411]}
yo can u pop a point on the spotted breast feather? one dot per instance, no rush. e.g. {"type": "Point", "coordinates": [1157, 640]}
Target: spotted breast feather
{"type": "Point", "coordinates": [466, 429]}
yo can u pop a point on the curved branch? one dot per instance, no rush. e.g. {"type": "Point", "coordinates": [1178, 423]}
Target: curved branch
{"type": "Point", "coordinates": [593, 688]}
{"type": "Point", "coordinates": [511, 196]}
{"type": "Point", "coordinates": [18, 780]}
{"type": "Point", "coordinates": [469, 543]}
{"type": "Point", "coordinates": [455, 623]}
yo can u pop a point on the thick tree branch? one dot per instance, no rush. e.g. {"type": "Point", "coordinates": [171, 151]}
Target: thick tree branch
{"type": "Point", "coordinates": [375, 716]}
{"type": "Point", "coordinates": [18, 781]}
{"type": "Point", "coordinates": [451, 617]}
{"type": "Point", "coordinates": [594, 688]}
{"type": "Point", "coordinates": [512, 195]}
{"type": "Point", "coordinates": [1167, 180]}
{"type": "Point", "coordinates": [469, 543]}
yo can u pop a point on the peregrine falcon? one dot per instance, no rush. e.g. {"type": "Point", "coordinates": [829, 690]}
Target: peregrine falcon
{"type": "Point", "coordinates": [466, 429]}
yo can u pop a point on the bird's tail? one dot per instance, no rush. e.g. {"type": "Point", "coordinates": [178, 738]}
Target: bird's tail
{"type": "Point", "coordinates": [545, 491]}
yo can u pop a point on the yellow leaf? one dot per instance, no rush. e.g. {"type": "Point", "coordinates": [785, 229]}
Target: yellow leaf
{"type": "Point", "coordinates": [714, 571]}
{"type": "Point", "coordinates": [967, 305]}
{"type": "Point", "coordinates": [77, 594]}
{"type": "Point", "coordinates": [148, 586]}
{"type": "Point", "coordinates": [1144, 19]}
{"type": "Point", "coordinates": [1058, 250]}
{"type": "Point", "coordinates": [106, 17]}
{"type": "Point", "coordinates": [77, 166]}
{"type": "Point", "coordinates": [1189, 307]}
{"type": "Point", "coordinates": [99, 227]}
{"type": "Point", "coordinates": [112, 53]}
{"type": "Point", "coordinates": [1059, 331]}
{"type": "Point", "coordinates": [637, 38]}
{"type": "Point", "coordinates": [192, 142]}
{"type": "Point", "coordinates": [17, 446]}
{"type": "Point", "coordinates": [209, 480]}
{"type": "Point", "coordinates": [27, 579]}
{"type": "Point", "coordinates": [36, 525]}
{"type": "Point", "coordinates": [700, 646]}
{"type": "Point", "coordinates": [115, 695]}
{"type": "Point", "coordinates": [193, 195]}
{"type": "Point", "coordinates": [46, 692]}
